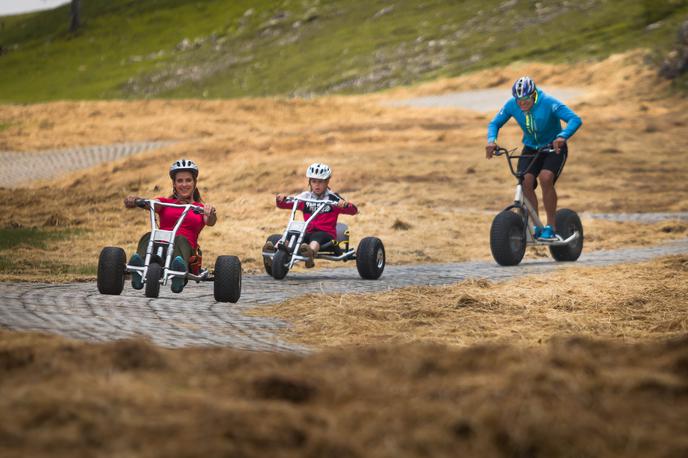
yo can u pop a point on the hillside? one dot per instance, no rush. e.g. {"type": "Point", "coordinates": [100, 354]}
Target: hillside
{"type": "Point", "coordinates": [227, 48]}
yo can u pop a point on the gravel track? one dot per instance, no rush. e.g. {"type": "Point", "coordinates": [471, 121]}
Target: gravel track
{"type": "Point", "coordinates": [193, 318]}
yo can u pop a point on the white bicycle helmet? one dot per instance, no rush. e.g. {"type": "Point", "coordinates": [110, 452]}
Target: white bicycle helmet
{"type": "Point", "coordinates": [318, 171]}
{"type": "Point", "coordinates": [184, 164]}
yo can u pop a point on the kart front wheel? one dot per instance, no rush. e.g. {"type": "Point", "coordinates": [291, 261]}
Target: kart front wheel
{"type": "Point", "coordinates": [568, 223]}
{"type": "Point", "coordinates": [111, 268]}
{"type": "Point", "coordinates": [370, 258]}
{"type": "Point", "coordinates": [153, 279]}
{"type": "Point", "coordinates": [507, 238]}
{"type": "Point", "coordinates": [227, 283]}
{"type": "Point", "coordinates": [280, 262]}
{"type": "Point", "coordinates": [267, 262]}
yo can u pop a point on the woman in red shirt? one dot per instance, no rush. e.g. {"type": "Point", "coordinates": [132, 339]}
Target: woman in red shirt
{"type": "Point", "coordinates": [184, 175]}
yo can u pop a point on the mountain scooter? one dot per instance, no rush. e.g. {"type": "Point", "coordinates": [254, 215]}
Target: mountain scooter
{"type": "Point", "coordinates": [514, 227]}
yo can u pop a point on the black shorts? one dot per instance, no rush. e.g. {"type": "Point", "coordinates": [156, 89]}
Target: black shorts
{"type": "Point", "coordinates": [318, 236]}
{"type": "Point", "coordinates": [547, 161]}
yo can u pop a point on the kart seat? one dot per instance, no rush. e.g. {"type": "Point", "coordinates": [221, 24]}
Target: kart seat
{"type": "Point", "coordinates": [334, 247]}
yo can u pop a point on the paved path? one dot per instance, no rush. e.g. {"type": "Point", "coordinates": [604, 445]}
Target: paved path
{"type": "Point", "coordinates": [483, 100]}
{"type": "Point", "coordinates": [193, 318]}
{"type": "Point", "coordinates": [21, 168]}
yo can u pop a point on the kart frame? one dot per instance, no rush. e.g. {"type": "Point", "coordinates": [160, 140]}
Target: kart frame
{"type": "Point", "coordinates": [160, 238]}
{"type": "Point", "coordinates": [295, 231]}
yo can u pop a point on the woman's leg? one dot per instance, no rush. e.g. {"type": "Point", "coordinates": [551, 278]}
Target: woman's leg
{"type": "Point", "coordinates": [143, 245]}
{"type": "Point", "coordinates": [182, 248]}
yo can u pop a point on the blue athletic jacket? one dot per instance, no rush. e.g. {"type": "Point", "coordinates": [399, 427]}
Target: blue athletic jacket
{"type": "Point", "coordinates": [541, 125]}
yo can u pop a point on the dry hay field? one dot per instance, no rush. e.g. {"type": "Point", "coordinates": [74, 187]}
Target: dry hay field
{"type": "Point", "coordinates": [580, 362]}
{"type": "Point", "coordinates": [419, 176]}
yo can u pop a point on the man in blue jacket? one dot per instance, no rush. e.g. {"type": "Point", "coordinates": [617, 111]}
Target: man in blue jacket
{"type": "Point", "coordinates": [539, 116]}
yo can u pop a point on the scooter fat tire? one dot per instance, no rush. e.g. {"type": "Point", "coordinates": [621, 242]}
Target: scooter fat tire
{"type": "Point", "coordinates": [507, 238]}
{"type": "Point", "coordinates": [568, 222]}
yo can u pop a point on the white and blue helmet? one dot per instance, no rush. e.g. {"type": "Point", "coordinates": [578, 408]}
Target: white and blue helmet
{"type": "Point", "coordinates": [523, 87]}
{"type": "Point", "coordinates": [318, 171]}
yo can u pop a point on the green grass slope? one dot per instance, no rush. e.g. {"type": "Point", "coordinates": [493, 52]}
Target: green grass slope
{"type": "Point", "coordinates": [235, 48]}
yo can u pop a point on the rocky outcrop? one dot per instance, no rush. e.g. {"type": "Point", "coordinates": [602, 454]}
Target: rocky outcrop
{"type": "Point", "coordinates": [676, 63]}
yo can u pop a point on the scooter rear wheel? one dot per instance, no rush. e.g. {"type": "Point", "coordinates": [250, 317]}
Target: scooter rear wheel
{"type": "Point", "coordinates": [507, 238]}
{"type": "Point", "coordinates": [568, 223]}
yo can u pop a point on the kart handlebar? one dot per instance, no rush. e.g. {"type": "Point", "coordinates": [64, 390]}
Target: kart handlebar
{"type": "Point", "coordinates": [143, 203]}
{"type": "Point", "coordinates": [290, 199]}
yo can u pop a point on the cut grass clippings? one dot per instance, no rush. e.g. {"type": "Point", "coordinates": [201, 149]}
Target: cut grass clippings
{"type": "Point", "coordinates": [571, 397]}
{"type": "Point", "coordinates": [653, 303]}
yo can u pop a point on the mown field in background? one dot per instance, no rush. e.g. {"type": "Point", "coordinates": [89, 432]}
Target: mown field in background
{"type": "Point", "coordinates": [239, 48]}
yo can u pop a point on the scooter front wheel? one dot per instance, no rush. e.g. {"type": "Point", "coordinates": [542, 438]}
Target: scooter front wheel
{"type": "Point", "coordinates": [507, 238]}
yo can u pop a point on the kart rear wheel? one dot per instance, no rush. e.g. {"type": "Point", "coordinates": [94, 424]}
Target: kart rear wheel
{"type": "Point", "coordinates": [507, 238]}
{"type": "Point", "coordinates": [279, 264]}
{"type": "Point", "coordinates": [568, 223]}
{"type": "Point", "coordinates": [370, 258]}
{"type": "Point", "coordinates": [153, 279]}
{"type": "Point", "coordinates": [111, 267]}
{"type": "Point", "coordinates": [227, 283]}
{"type": "Point", "coordinates": [267, 262]}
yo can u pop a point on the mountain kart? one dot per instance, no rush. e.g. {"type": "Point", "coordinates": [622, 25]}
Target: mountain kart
{"type": "Point", "coordinates": [369, 256]}
{"type": "Point", "coordinates": [156, 271]}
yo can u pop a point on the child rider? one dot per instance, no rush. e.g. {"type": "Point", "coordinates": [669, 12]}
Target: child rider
{"type": "Point", "coordinates": [323, 228]}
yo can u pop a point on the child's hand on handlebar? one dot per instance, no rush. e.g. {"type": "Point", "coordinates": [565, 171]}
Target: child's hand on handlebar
{"type": "Point", "coordinates": [130, 201]}
{"type": "Point", "coordinates": [208, 210]}
{"type": "Point", "coordinates": [490, 149]}
{"type": "Point", "coordinates": [281, 197]}
{"type": "Point", "coordinates": [342, 203]}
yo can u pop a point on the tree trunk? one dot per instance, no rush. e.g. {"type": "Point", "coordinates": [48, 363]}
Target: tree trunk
{"type": "Point", "coordinates": [75, 22]}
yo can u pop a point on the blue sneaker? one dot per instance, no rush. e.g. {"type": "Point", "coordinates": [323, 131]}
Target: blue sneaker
{"type": "Point", "coordinates": [178, 283]}
{"type": "Point", "coordinates": [136, 277]}
{"type": "Point", "coordinates": [547, 233]}
{"type": "Point", "coordinates": [537, 230]}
